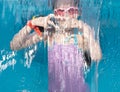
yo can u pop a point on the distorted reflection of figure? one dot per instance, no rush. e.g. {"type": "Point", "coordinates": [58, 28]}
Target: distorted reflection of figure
{"type": "Point", "coordinates": [71, 44]}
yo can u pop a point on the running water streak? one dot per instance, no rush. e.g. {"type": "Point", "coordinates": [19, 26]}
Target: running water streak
{"type": "Point", "coordinates": [91, 10]}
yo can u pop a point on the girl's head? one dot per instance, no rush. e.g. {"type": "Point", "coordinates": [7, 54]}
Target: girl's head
{"type": "Point", "coordinates": [65, 3]}
{"type": "Point", "coordinates": [68, 8]}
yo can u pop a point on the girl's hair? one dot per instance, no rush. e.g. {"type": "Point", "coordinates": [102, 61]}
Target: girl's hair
{"type": "Point", "coordinates": [56, 3]}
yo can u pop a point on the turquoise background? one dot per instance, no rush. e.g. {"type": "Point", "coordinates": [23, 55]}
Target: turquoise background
{"type": "Point", "coordinates": [24, 72]}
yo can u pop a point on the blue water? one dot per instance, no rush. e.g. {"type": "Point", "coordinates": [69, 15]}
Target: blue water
{"type": "Point", "coordinates": [26, 70]}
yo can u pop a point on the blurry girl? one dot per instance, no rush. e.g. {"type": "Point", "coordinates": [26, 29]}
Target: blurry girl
{"type": "Point", "coordinates": [71, 45]}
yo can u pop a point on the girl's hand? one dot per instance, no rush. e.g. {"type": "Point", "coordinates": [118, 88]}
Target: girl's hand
{"type": "Point", "coordinates": [49, 21]}
{"type": "Point", "coordinates": [45, 22]}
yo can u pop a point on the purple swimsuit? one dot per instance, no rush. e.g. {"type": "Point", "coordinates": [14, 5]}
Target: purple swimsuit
{"type": "Point", "coordinates": [65, 67]}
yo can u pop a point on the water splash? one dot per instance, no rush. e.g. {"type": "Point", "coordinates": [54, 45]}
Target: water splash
{"type": "Point", "coordinates": [7, 60]}
{"type": "Point", "coordinates": [25, 90]}
{"type": "Point", "coordinates": [29, 55]}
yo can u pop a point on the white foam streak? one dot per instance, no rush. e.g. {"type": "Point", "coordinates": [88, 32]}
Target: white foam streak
{"type": "Point", "coordinates": [29, 55]}
{"type": "Point", "coordinates": [7, 60]}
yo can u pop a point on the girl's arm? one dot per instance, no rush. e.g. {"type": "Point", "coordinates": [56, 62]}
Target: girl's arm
{"type": "Point", "coordinates": [93, 45]}
{"type": "Point", "coordinates": [24, 39]}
